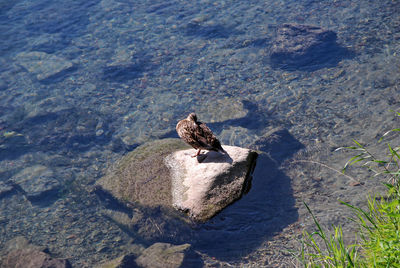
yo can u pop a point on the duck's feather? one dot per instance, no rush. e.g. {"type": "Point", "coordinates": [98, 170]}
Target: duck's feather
{"type": "Point", "coordinates": [198, 135]}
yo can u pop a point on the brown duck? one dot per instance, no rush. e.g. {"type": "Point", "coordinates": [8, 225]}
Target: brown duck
{"type": "Point", "coordinates": [198, 135]}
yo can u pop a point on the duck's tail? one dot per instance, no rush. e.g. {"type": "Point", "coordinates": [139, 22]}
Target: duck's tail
{"type": "Point", "coordinates": [217, 148]}
{"type": "Point", "coordinates": [221, 150]}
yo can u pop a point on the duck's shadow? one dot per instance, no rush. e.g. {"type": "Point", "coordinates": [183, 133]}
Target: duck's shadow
{"type": "Point", "coordinates": [214, 157]}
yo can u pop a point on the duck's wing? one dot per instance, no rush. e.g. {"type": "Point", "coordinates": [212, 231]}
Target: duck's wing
{"type": "Point", "coordinates": [194, 134]}
{"type": "Point", "coordinates": [189, 132]}
{"type": "Point", "coordinates": [207, 137]}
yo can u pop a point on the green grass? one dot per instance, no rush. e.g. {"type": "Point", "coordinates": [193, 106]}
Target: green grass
{"type": "Point", "coordinates": [320, 249]}
{"type": "Point", "coordinates": [380, 232]}
{"type": "Point", "coordinates": [378, 237]}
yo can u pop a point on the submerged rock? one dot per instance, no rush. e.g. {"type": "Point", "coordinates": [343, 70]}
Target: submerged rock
{"type": "Point", "coordinates": [43, 65]}
{"type": "Point", "coordinates": [298, 45]}
{"type": "Point", "coordinates": [125, 261]}
{"type": "Point", "coordinates": [18, 242]}
{"type": "Point", "coordinates": [163, 255]}
{"type": "Point", "coordinates": [32, 258]}
{"type": "Point", "coordinates": [5, 188]}
{"type": "Point", "coordinates": [37, 182]}
{"type": "Point", "coordinates": [219, 110]}
{"type": "Point", "coordinates": [19, 253]}
{"type": "Point", "coordinates": [237, 135]}
{"type": "Point", "coordinates": [161, 174]}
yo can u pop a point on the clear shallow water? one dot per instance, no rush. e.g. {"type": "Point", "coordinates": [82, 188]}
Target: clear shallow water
{"type": "Point", "coordinates": [84, 82]}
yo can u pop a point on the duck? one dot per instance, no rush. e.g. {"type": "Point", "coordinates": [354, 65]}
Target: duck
{"type": "Point", "coordinates": [198, 135]}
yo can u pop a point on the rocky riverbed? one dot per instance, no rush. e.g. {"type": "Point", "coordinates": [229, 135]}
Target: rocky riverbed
{"type": "Point", "coordinates": [82, 84]}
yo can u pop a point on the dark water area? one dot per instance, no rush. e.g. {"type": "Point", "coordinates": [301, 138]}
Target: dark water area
{"type": "Point", "coordinates": [82, 83]}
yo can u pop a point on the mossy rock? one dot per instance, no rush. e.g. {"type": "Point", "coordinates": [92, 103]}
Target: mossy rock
{"type": "Point", "coordinates": [141, 176]}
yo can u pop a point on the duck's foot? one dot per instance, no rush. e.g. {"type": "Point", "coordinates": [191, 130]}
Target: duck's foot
{"type": "Point", "coordinates": [197, 154]}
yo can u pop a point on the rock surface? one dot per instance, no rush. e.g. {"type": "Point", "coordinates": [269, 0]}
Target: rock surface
{"type": "Point", "coordinates": [202, 189]}
{"type": "Point", "coordinates": [43, 65]}
{"type": "Point", "coordinates": [161, 174]}
{"type": "Point", "coordinates": [21, 254]}
{"type": "Point", "coordinates": [141, 176]}
{"type": "Point", "coordinates": [299, 45]}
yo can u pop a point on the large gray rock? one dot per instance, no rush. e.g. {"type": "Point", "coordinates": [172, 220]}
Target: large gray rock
{"type": "Point", "coordinates": [141, 176]}
{"type": "Point", "coordinates": [162, 174]}
{"type": "Point", "coordinates": [202, 189]}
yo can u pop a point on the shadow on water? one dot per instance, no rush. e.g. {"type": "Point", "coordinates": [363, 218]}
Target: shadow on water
{"type": "Point", "coordinates": [315, 58]}
{"type": "Point", "coordinates": [56, 78]}
{"type": "Point", "coordinates": [306, 48]}
{"type": "Point", "coordinates": [110, 202]}
{"type": "Point", "coordinates": [265, 211]}
{"type": "Point", "coordinates": [140, 63]}
{"type": "Point", "coordinates": [123, 72]}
